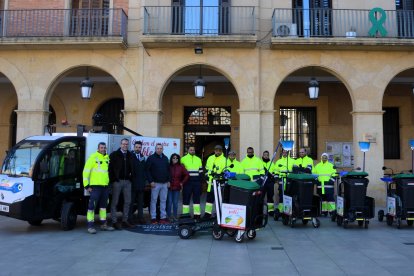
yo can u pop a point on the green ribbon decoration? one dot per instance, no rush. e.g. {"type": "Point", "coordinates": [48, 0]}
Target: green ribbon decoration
{"type": "Point", "coordinates": [377, 24]}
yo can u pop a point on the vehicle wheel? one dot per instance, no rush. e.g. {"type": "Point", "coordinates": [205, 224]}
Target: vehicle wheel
{"type": "Point", "coordinates": [218, 234]}
{"type": "Point", "coordinates": [366, 224]}
{"type": "Point", "coordinates": [305, 221]}
{"type": "Point", "coordinates": [68, 216]}
{"type": "Point", "coordinates": [285, 220]}
{"type": "Point", "coordinates": [251, 234]}
{"type": "Point", "coordinates": [345, 223]}
{"type": "Point", "coordinates": [35, 222]}
{"type": "Point", "coordinates": [360, 223]}
{"type": "Point", "coordinates": [339, 220]}
{"type": "Point", "coordinates": [185, 232]}
{"type": "Point", "coordinates": [316, 223]}
{"type": "Point", "coordinates": [380, 215]}
{"type": "Point", "coordinates": [399, 223]}
{"type": "Point", "coordinates": [390, 220]}
{"type": "Point", "coordinates": [239, 237]}
{"type": "Point", "coordinates": [410, 222]}
{"type": "Point", "coordinates": [231, 232]}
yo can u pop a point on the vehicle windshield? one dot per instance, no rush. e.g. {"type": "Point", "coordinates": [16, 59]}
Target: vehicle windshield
{"type": "Point", "coordinates": [21, 158]}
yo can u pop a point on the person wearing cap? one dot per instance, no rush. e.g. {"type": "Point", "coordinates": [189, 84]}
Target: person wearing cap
{"type": "Point", "coordinates": [215, 165]}
{"type": "Point", "coordinates": [325, 171]}
{"type": "Point", "coordinates": [303, 163]}
{"type": "Point", "coordinates": [252, 164]}
{"type": "Point", "coordinates": [281, 168]}
{"type": "Point", "coordinates": [194, 166]}
{"type": "Point", "coordinates": [233, 165]}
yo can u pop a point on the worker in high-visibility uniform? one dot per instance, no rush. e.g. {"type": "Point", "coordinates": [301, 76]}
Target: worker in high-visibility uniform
{"type": "Point", "coordinates": [233, 165]}
{"type": "Point", "coordinates": [214, 166]}
{"type": "Point", "coordinates": [281, 168]}
{"type": "Point", "coordinates": [192, 188]}
{"type": "Point", "coordinates": [252, 164]}
{"type": "Point", "coordinates": [95, 181]}
{"type": "Point", "coordinates": [269, 186]}
{"type": "Point", "coordinates": [326, 171]}
{"type": "Point", "coordinates": [303, 163]}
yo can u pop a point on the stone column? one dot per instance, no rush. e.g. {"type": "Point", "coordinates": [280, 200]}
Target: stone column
{"type": "Point", "coordinates": [369, 124]}
{"type": "Point", "coordinates": [267, 131]}
{"type": "Point", "coordinates": [31, 122]}
{"type": "Point", "coordinates": [250, 130]}
{"type": "Point", "coordinates": [148, 122]}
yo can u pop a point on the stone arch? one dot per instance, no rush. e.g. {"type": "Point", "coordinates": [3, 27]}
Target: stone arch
{"type": "Point", "coordinates": [50, 78]}
{"type": "Point", "coordinates": [330, 69]}
{"type": "Point", "coordinates": [194, 65]}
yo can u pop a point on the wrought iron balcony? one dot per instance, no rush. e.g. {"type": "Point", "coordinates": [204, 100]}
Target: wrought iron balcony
{"type": "Point", "coordinates": [66, 23]}
{"type": "Point", "coordinates": [199, 20]}
{"type": "Point", "coordinates": [325, 23]}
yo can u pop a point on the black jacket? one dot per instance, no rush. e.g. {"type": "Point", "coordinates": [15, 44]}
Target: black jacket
{"type": "Point", "coordinates": [139, 178]}
{"type": "Point", "coordinates": [120, 168]}
{"type": "Point", "coordinates": [158, 168]}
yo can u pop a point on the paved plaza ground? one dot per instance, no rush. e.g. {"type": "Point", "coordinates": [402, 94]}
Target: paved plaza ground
{"type": "Point", "coordinates": [277, 250]}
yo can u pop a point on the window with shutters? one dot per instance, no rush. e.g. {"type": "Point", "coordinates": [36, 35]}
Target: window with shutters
{"type": "Point", "coordinates": [200, 17]}
{"type": "Point", "coordinates": [299, 124]}
{"type": "Point", "coordinates": [391, 129]}
{"type": "Point", "coordinates": [90, 17]}
{"type": "Point", "coordinates": [313, 17]}
{"type": "Point", "coordinates": [405, 18]}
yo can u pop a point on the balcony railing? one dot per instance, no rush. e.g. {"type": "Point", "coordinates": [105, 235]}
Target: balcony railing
{"type": "Point", "coordinates": [196, 20]}
{"type": "Point", "coordinates": [342, 23]}
{"type": "Point", "coordinates": [63, 23]}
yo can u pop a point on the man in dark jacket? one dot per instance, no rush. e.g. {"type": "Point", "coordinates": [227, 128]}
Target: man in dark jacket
{"type": "Point", "coordinates": [120, 174]}
{"type": "Point", "coordinates": [138, 182]}
{"type": "Point", "coordinates": [158, 175]}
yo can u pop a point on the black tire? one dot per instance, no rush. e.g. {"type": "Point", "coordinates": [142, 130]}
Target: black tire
{"type": "Point", "coordinates": [68, 216]}
{"type": "Point", "coordinates": [35, 222]}
{"type": "Point", "coordinates": [185, 232]}
{"type": "Point", "coordinates": [380, 215]}
{"type": "Point", "coordinates": [339, 220]}
{"type": "Point", "coordinates": [410, 222]}
{"type": "Point", "coordinates": [390, 220]}
{"type": "Point", "coordinates": [239, 239]}
{"type": "Point", "coordinates": [217, 233]}
{"type": "Point", "coordinates": [231, 232]}
{"type": "Point", "coordinates": [251, 234]}
{"type": "Point", "coordinates": [360, 223]}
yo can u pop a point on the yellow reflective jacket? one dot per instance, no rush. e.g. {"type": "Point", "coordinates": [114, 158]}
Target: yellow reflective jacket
{"type": "Point", "coordinates": [325, 171]}
{"type": "Point", "coordinates": [237, 167]}
{"type": "Point", "coordinates": [252, 166]}
{"type": "Point", "coordinates": [192, 164]}
{"type": "Point", "coordinates": [283, 165]}
{"type": "Point", "coordinates": [305, 162]}
{"type": "Point", "coordinates": [215, 164]}
{"type": "Point", "coordinates": [95, 172]}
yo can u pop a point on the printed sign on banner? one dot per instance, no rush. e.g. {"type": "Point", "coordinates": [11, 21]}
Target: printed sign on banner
{"type": "Point", "coordinates": [340, 206]}
{"type": "Point", "coordinates": [171, 145]}
{"type": "Point", "coordinates": [233, 216]}
{"type": "Point", "coordinates": [391, 206]}
{"type": "Point", "coordinates": [287, 205]}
